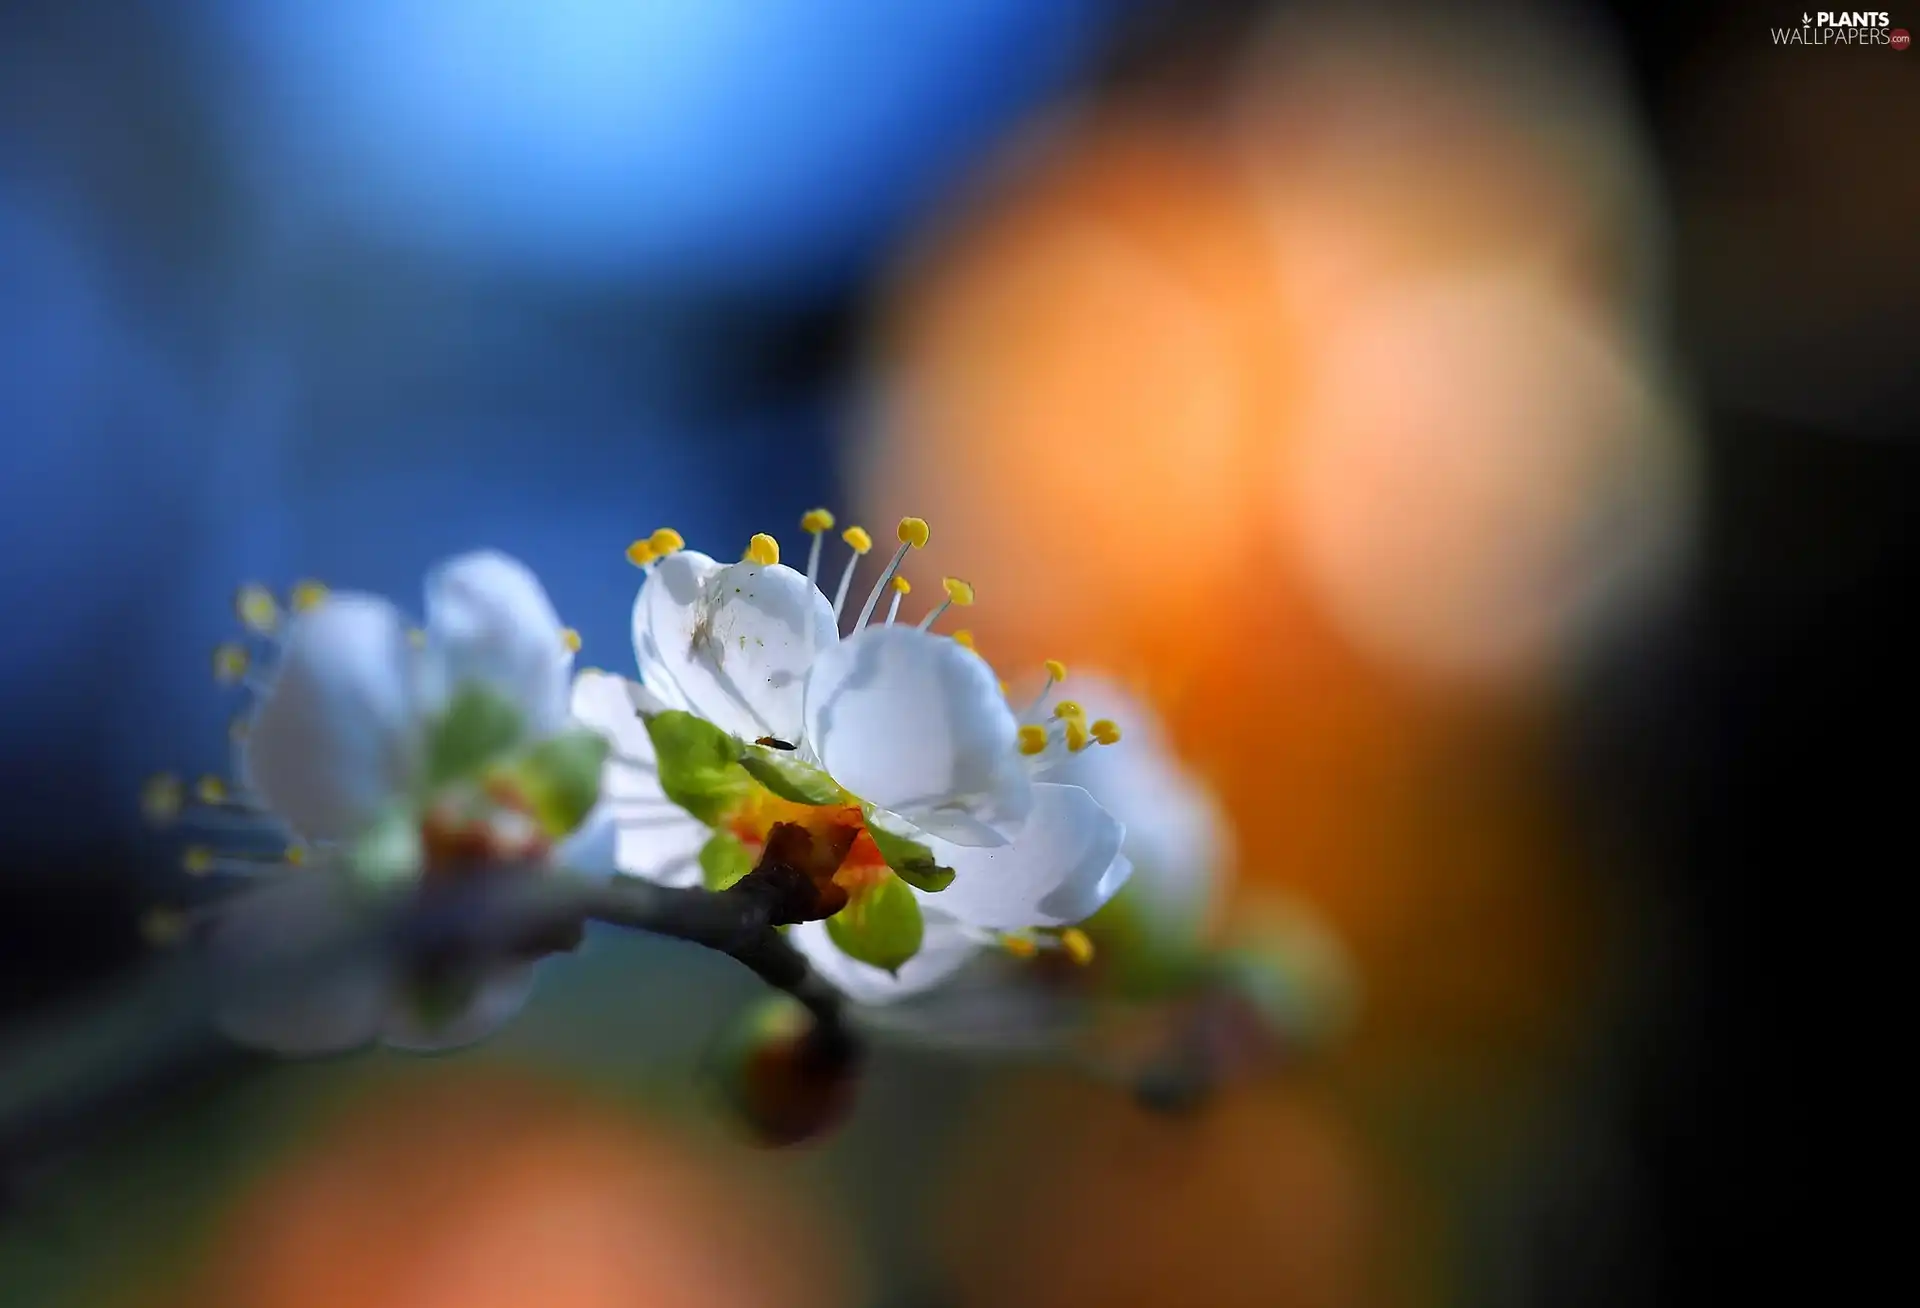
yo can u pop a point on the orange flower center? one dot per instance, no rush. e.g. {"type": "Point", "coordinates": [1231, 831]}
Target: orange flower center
{"type": "Point", "coordinates": [753, 819]}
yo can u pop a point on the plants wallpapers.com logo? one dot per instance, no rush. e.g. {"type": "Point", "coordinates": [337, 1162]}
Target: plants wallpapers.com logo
{"type": "Point", "coordinates": [1846, 28]}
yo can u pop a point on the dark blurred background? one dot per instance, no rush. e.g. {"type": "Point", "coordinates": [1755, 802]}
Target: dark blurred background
{"type": "Point", "coordinates": [1488, 436]}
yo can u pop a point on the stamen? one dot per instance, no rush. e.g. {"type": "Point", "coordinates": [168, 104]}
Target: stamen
{"type": "Point", "coordinates": [901, 586]}
{"type": "Point", "coordinates": [1078, 737]}
{"type": "Point", "coordinates": [964, 639]}
{"type": "Point", "coordinates": [571, 639]}
{"type": "Point", "coordinates": [913, 535]}
{"type": "Point", "coordinates": [859, 542]}
{"type": "Point", "coordinates": [640, 554]}
{"type": "Point", "coordinates": [257, 609]}
{"type": "Point", "coordinates": [306, 596]}
{"type": "Point", "coordinates": [1069, 709]}
{"type": "Point", "coordinates": [958, 592]}
{"type": "Point", "coordinates": [1056, 673]}
{"type": "Point", "coordinates": [1019, 946]}
{"type": "Point", "coordinates": [1033, 738]}
{"type": "Point", "coordinates": [163, 927]}
{"type": "Point", "coordinates": [230, 662]}
{"type": "Point", "coordinates": [665, 541]}
{"type": "Point", "coordinates": [816, 523]}
{"type": "Point", "coordinates": [161, 798]}
{"type": "Point", "coordinates": [1055, 669]}
{"type": "Point", "coordinates": [1106, 731]}
{"type": "Point", "coordinates": [763, 550]}
{"type": "Point", "coordinates": [1078, 945]}
{"type": "Point", "coordinates": [211, 791]}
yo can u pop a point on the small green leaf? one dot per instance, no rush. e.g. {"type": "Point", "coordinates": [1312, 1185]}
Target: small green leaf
{"type": "Point", "coordinates": [880, 925]}
{"type": "Point", "coordinates": [789, 778]}
{"type": "Point", "coordinates": [389, 852]}
{"type": "Point", "coordinates": [911, 861]}
{"type": "Point", "coordinates": [479, 726]}
{"type": "Point", "coordinates": [723, 861]}
{"type": "Point", "coordinates": [699, 764]}
{"type": "Point", "coordinates": [560, 778]}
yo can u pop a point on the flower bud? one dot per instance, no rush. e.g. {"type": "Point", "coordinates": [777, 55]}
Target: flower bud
{"type": "Point", "coordinates": [785, 1077]}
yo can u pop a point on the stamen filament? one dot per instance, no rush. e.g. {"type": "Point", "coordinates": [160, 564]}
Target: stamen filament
{"type": "Point", "coordinates": [901, 586]}
{"type": "Point", "coordinates": [913, 535]}
{"type": "Point", "coordinates": [816, 523]}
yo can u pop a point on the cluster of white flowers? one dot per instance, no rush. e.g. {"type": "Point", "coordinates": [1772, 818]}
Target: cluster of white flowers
{"type": "Point", "coordinates": [397, 755]}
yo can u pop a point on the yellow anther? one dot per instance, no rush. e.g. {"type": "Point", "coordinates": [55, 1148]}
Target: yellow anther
{"type": "Point", "coordinates": [230, 663]}
{"type": "Point", "coordinates": [257, 609]}
{"type": "Point", "coordinates": [1070, 710]}
{"type": "Point", "coordinates": [666, 541]}
{"type": "Point", "coordinates": [210, 790]}
{"type": "Point", "coordinates": [640, 553]}
{"type": "Point", "coordinates": [1078, 945]}
{"type": "Point", "coordinates": [1019, 946]}
{"type": "Point", "coordinates": [763, 549]}
{"type": "Point", "coordinates": [815, 521]}
{"type": "Point", "coordinates": [417, 637]}
{"type": "Point", "coordinates": [571, 639]}
{"type": "Point", "coordinates": [161, 797]}
{"type": "Point", "coordinates": [1078, 737]}
{"type": "Point", "coordinates": [964, 639]}
{"type": "Point", "coordinates": [914, 532]}
{"type": "Point", "coordinates": [296, 855]}
{"type": "Point", "coordinates": [901, 585]}
{"type": "Point", "coordinates": [197, 860]}
{"type": "Point", "coordinates": [1033, 739]}
{"type": "Point", "coordinates": [1106, 731]}
{"type": "Point", "coordinates": [857, 539]}
{"type": "Point", "coordinates": [162, 927]}
{"type": "Point", "coordinates": [958, 591]}
{"type": "Point", "coordinates": [306, 595]}
{"type": "Point", "coordinates": [1005, 689]}
{"type": "Point", "coordinates": [1055, 669]}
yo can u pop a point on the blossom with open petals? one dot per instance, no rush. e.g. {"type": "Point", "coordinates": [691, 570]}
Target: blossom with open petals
{"type": "Point", "coordinates": [893, 733]}
{"type": "Point", "coordinates": [397, 757]}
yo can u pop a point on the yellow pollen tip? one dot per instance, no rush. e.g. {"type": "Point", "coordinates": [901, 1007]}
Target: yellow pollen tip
{"type": "Point", "coordinates": [902, 585]}
{"type": "Point", "coordinates": [640, 553]}
{"type": "Point", "coordinates": [763, 549]}
{"type": "Point", "coordinates": [1005, 689]}
{"type": "Point", "coordinates": [571, 639]}
{"type": "Point", "coordinates": [162, 927]}
{"type": "Point", "coordinates": [914, 532]}
{"type": "Point", "coordinates": [160, 798]}
{"type": "Point", "coordinates": [297, 855]}
{"type": "Point", "coordinates": [306, 596]}
{"type": "Point", "coordinates": [257, 609]}
{"type": "Point", "coordinates": [960, 592]}
{"type": "Point", "coordinates": [1078, 945]}
{"type": "Point", "coordinates": [197, 861]}
{"type": "Point", "coordinates": [210, 790]}
{"type": "Point", "coordinates": [1033, 739]}
{"type": "Point", "coordinates": [1019, 946]}
{"type": "Point", "coordinates": [1055, 669]}
{"type": "Point", "coordinates": [858, 539]}
{"type": "Point", "coordinates": [229, 664]}
{"type": "Point", "coordinates": [964, 639]}
{"type": "Point", "coordinates": [1106, 731]}
{"type": "Point", "coordinates": [666, 541]}
{"type": "Point", "coordinates": [1078, 737]}
{"type": "Point", "coordinates": [1069, 709]}
{"type": "Point", "coordinates": [815, 521]}
{"type": "Point", "coordinates": [417, 637]}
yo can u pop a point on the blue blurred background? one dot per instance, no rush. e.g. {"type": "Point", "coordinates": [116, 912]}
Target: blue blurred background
{"type": "Point", "coordinates": [334, 290]}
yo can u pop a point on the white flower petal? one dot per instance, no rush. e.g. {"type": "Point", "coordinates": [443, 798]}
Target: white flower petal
{"type": "Point", "coordinates": [501, 995]}
{"type": "Point", "coordinates": [739, 648]}
{"type": "Point", "coordinates": [592, 848]}
{"type": "Point", "coordinates": [944, 950]}
{"type": "Point", "coordinates": [489, 620]}
{"type": "Point", "coordinates": [294, 1015]}
{"type": "Point", "coordinates": [661, 846]}
{"type": "Point", "coordinates": [332, 739]}
{"type": "Point", "coordinates": [671, 589]}
{"type": "Point", "coordinates": [1051, 875]}
{"type": "Point", "coordinates": [916, 723]}
{"type": "Point", "coordinates": [612, 706]}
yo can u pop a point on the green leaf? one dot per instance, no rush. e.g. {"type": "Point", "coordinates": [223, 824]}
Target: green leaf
{"type": "Point", "coordinates": [723, 861]}
{"type": "Point", "coordinates": [880, 926]}
{"type": "Point", "coordinates": [699, 765]}
{"type": "Point", "coordinates": [560, 778]}
{"type": "Point", "coordinates": [389, 852]}
{"type": "Point", "coordinates": [479, 726]}
{"type": "Point", "coordinates": [789, 778]}
{"type": "Point", "coordinates": [911, 861]}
